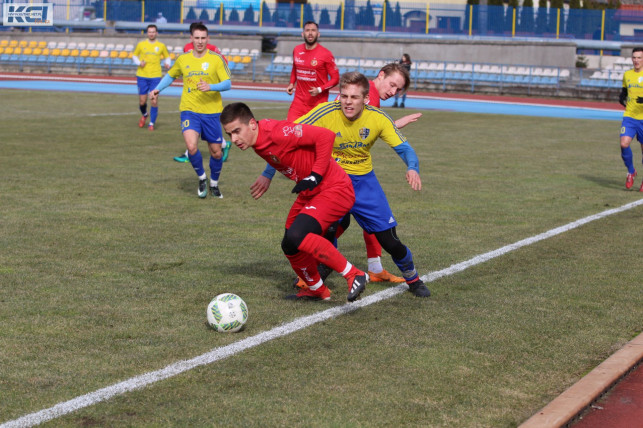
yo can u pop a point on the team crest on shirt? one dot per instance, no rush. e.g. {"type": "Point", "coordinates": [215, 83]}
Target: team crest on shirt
{"type": "Point", "coordinates": [363, 133]}
{"type": "Point", "coordinates": [205, 66]}
{"type": "Point", "coordinates": [275, 159]}
{"type": "Point", "coordinates": [314, 62]}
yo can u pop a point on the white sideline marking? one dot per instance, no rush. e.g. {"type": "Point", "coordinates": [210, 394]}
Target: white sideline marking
{"type": "Point", "coordinates": [223, 352]}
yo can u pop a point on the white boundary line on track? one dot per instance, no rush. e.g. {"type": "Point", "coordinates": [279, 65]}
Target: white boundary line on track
{"type": "Point", "coordinates": [223, 352]}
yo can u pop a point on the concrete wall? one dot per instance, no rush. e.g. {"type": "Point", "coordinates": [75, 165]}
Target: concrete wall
{"type": "Point", "coordinates": [475, 51]}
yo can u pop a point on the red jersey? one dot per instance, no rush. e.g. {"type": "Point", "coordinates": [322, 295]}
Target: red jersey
{"type": "Point", "coordinates": [311, 68]}
{"type": "Point", "coordinates": [373, 95]}
{"type": "Point", "coordinates": [296, 150]}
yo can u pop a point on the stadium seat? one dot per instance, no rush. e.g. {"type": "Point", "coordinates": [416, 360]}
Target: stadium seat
{"type": "Point", "coordinates": [84, 53]}
{"type": "Point", "coordinates": [13, 43]}
{"type": "Point", "coordinates": [23, 43]}
{"type": "Point", "coordinates": [4, 57]}
{"type": "Point", "coordinates": [119, 47]}
{"type": "Point", "coordinates": [100, 46]}
{"type": "Point", "coordinates": [37, 51]}
{"type": "Point", "coordinates": [109, 46]}
{"type": "Point", "coordinates": [178, 50]}
{"type": "Point", "coordinates": [91, 46]}
{"type": "Point", "coordinates": [123, 54]}
{"type": "Point", "coordinates": [129, 48]}
{"type": "Point", "coordinates": [42, 59]}
{"type": "Point", "coordinates": [17, 51]}
{"type": "Point", "coordinates": [1, 50]}
{"type": "Point", "coordinates": [51, 45]}
{"type": "Point", "coordinates": [113, 54]}
{"type": "Point", "coordinates": [4, 43]}
{"type": "Point", "coordinates": [81, 46]}
{"type": "Point", "coordinates": [61, 45]}
{"type": "Point", "coordinates": [32, 44]}
{"type": "Point", "coordinates": [27, 51]}
{"type": "Point", "coordinates": [72, 45]}
{"type": "Point", "coordinates": [246, 60]}
{"type": "Point", "coordinates": [74, 52]}
{"type": "Point", "coordinates": [8, 50]}
{"type": "Point", "coordinates": [94, 53]}
{"type": "Point", "coordinates": [55, 52]}
{"type": "Point", "coordinates": [255, 53]}
{"type": "Point", "coordinates": [104, 54]}
{"type": "Point", "coordinates": [65, 52]}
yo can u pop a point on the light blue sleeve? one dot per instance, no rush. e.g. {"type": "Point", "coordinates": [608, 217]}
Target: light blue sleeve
{"type": "Point", "coordinates": [221, 86]}
{"type": "Point", "coordinates": [165, 82]}
{"type": "Point", "coordinates": [408, 155]}
{"type": "Point", "coordinates": [269, 172]}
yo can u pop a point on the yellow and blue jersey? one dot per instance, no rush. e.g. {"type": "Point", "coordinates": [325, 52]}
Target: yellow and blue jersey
{"type": "Point", "coordinates": [151, 53]}
{"type": "Point", "coordinates": [354, 139]}
{"type": "Point", "coordinates": [212, 68]}
{"type": "Point", "coordinates": [633, 82]}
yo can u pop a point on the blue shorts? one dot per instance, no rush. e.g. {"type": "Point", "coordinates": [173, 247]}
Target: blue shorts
{"type": "Point", "coordinates": [371, 209]}
{"type": "Point", "coordinates": [631, 127]}
{"type": "Point", "coordinates": [147, 84]}
{"type": "Point", "coordinates": [207, 125]}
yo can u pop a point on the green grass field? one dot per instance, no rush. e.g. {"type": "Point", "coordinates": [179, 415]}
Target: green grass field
{"type": "Point", "coordinates": [108, 260]}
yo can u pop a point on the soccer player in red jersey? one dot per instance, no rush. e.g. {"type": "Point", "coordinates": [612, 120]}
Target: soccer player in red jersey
{"type": "Point", "coordinates": [325, 194]}
{"type": "Point", "coordinates": [313, 73]}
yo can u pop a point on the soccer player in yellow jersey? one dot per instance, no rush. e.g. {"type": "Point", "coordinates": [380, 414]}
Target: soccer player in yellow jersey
{"type": "Point", "coordinates": [357, 127]}
{"type": "Point", "coordinates": [631, 98]}
{"type": "Point", "coordinates": [147, 56]}
{"type": "Point", "coordinates": [205, 75]}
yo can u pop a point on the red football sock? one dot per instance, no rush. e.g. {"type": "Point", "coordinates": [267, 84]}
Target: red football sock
{"type": "Point", "coordinates": [373, 247]}
{"type": "Point", "coordinates": [324, 252]}
{"type": "Point", "coordinates": [305, 267]}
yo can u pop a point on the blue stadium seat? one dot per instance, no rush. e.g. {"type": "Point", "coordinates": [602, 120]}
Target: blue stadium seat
{"type": "Point", "coordinates": [4, 57]}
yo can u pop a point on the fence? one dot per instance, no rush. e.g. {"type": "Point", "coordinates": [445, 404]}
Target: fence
{"type": "Point", "coordinates": [625, 24]}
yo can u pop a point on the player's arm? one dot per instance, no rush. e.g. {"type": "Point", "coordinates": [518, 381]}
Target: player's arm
{"type": "Point", "coordinates": [394, 138]}
{"type": "Point", "coordinates": [293, 78]}
{"type": "Point", "coordinates": [321, 139]}
{"type": "Point", "coordinates": [622, 97]}
{"type": "Point", "coordinates": [136, 57]}
{"type": "Point", "coordinates": [219, 87]}
{"type": "Point", "coordinates": [410, 118]}
{"type": "Point", "coordinates": [333, 73]}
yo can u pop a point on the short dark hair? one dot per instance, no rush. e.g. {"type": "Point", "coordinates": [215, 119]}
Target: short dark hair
{"type": "Point", "coordinates": [198, 26]}
{"type": "Point", "coordinates": [354, 78]}
{"type": "Point", "coordinates": [395, 67]}
{"type": "Point", "coordinates": [151, 26]}
{"type": "Point", "coordinates": [310, 22]}
{"type": "Point", "coordinates": [235, 111]}
{"type": "Point", "coordinates": [637, 50]}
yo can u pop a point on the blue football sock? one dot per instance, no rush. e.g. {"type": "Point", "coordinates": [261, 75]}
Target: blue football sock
{"type": "Point", "coordinates": [626, 155]}
{"type": "Point", "coordinates": [143, 109]}
{"type": "Point", "coordinates": [407, 267]}
{"type": "Point", "coordinates": [154, 111]}
{"type": "Point", "coordinates": [215, 168]}
{"type": "Point", "coordinates": [197, 163]}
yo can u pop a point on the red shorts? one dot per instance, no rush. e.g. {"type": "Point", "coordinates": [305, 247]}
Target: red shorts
{"type": "Point", "coordinates": [298, 109]}
{"type": "Point", "coordinates": [327, 206]}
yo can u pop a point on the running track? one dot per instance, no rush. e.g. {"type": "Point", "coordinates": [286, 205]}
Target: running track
{"type": "Point", "coordinates": [622, 405]}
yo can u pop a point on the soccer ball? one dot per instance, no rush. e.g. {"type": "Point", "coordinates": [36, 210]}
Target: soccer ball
{"type": "Point", "coordinates": [227, 313]}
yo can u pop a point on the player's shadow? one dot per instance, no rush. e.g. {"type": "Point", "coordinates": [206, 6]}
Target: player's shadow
{"type": "Point", "coordinates": [604, 182]}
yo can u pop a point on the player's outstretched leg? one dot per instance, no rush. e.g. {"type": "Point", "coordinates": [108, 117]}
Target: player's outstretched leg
{"type": "Point", "coordinates": [306, 267]}
{"type": "Point", "coordinates": [197, 163]}
{"type": "Point", "coordinates": [324, 252]}
{"type": "Point", "coordinates": [376, 271]}
{"type": "Point", "coordinates": [416, 285]}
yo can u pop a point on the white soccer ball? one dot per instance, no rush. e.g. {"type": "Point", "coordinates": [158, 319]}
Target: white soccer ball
{"type": "Point", "coordinates": [227, 313]}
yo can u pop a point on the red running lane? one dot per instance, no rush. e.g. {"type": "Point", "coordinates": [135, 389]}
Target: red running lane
{"type": "Point", "coordinates": [621, 407]}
